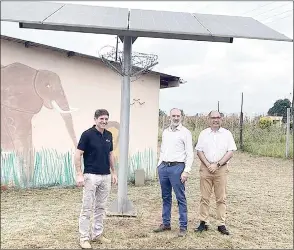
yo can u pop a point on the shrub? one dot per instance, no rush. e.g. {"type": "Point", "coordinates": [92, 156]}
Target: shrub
{"type": "Point", "coordinates": [265, 122]}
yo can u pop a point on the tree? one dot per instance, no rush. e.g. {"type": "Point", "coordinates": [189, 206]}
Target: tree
{"type": "Point", "coordinates": [161, 112]}
{"type": "Point", "coordinates": [182, 112]}
{"type": "Point", "coordinates": [280, 108]}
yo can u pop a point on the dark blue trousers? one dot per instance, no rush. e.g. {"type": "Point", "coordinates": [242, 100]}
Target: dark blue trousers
{"type": "Point", "coordinates": [170, 178]}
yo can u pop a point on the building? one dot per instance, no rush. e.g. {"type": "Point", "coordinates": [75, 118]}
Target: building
{"type": "Point", "coordinates": [277, 120]}
{"type": "Point", "coordinates": [48, 98]}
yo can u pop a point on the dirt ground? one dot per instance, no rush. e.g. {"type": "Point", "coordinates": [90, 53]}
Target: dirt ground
{"type": "Point", "coordinates": [259, 213]}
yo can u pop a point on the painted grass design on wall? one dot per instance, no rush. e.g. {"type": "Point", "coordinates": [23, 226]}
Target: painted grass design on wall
{"type": "Point", "coordinates": [143, 160]}
{"type": "Point", "coordinates": [53, 168]}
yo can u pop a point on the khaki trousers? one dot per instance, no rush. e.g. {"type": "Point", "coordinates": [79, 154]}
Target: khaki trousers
{"type": "Point", "coordinates": [95, 193]}
{"type": "Point", "coordinates": [218, 181]}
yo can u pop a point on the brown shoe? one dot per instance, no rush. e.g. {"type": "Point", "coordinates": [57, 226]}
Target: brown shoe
{"type": "Point", "coordinates": [162, 228]}
{"type": "Point", "coordinates": [182, 233]}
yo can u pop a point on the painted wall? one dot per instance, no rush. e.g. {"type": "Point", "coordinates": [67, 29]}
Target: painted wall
{"type": "Point", "coordinates": [49, 99]}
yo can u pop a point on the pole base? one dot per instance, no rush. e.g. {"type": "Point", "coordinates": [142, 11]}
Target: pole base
{"type": "Point", "coordinates": [128, 209]}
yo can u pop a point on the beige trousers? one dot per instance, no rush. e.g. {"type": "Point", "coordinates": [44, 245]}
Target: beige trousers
{"type": "Point", "coordinates": [95, 193]}
{"type": "Point", "coordinates": [218, 181]}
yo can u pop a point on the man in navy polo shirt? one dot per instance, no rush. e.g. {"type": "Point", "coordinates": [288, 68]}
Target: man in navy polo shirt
{"type": "Point", "coordinates": [96, 146]}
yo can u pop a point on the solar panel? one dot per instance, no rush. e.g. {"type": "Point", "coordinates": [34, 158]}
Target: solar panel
{"type": "Point", "coordinates": [239, 27]}
{"type": "Point", "coordinates": [67, 17]}
{"type": "Point", "coordinates": [27, 11]}
{"type": "Point", "coordinates": [90, 16]}
{"type": "Point", "coordinates": [136, 23]}
{"type": "Point", "coordinates": [166, 24]}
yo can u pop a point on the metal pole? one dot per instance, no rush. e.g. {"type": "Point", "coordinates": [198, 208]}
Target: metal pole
{"type": "Point", "coordinates": [122, 206]}
{"type": "Point", "coordinates": [116, 48]}
{"type": "Point", "coordinates": [288, 132]}
{"type": "Point", "coordinates": [124, 124]}
{"type": "Point", "coordinates": [218, 106]}
{"type": "Point", "coordinates": [241, 124]}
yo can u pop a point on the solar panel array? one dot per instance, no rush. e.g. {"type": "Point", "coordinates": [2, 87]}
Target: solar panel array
{"type": "Point", "coordinates": [136, 23]}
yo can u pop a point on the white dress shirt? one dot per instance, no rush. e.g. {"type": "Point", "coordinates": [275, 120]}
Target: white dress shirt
{"type": "Point", "coordinates": [215, 144]}
{"type": "Point", "coordinates": [177, 146]}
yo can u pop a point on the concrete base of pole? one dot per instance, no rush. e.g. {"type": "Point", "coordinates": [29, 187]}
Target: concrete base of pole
{"type": "Point", "coordinates": [127, 210]}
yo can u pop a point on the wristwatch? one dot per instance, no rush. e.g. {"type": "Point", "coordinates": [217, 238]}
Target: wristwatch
{"type": "Point", "coordinates": [218, 165]}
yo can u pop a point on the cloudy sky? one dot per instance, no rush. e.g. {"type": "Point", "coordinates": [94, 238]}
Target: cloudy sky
{"type": "Point", "coordinates": [262, 70]}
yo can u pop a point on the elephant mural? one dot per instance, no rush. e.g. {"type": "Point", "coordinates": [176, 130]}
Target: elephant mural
{"type": "Point", "coordinates": [24, 91]}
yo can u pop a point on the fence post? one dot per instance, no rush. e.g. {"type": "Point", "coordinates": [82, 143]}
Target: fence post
{"type": "Point", "coordinates": [288, 133]}
{"type": "Point", "coordinates": [241, 125]}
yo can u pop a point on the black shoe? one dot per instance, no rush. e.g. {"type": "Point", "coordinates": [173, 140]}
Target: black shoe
{"type": "Point", "coordinates": [222, 229]}
{"type": "Point", "coordinates": [202, 227]}
{"type": "Point", "coordinates": [161, 228]}
{"type": "Point", "coordinates": [182, 232]}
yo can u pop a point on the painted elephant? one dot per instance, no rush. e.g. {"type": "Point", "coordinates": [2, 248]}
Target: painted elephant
{"type": "Point", "coordinates": [24, 91]}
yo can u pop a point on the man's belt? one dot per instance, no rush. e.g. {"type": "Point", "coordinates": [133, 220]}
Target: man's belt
{"type": "Point", "coordinates": [172, 163]}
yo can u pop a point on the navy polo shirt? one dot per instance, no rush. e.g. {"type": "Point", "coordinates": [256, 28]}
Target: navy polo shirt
{"type": "Point", "coordinates": [96, 147]}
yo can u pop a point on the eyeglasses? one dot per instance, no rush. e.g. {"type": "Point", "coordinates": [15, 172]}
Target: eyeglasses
{"type": "Point", "coordinates": [216, 118]}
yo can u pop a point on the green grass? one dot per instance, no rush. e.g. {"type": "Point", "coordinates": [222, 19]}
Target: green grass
{"type": "Point", "coordinates": [265, 142]}
{"type": "Point", "coordinates": [270, 150]}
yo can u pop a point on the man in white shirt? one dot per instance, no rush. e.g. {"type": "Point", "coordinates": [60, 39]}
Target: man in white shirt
{"type": "Point", "coordinates": [174, 166]}
{"type": "Point", "coordinates": [215, 148]}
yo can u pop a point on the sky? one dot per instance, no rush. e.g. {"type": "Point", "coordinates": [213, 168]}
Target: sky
{"type": "Point", "coordinates": [262, 70]}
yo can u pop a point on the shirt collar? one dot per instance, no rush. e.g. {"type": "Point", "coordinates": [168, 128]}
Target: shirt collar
{"type": "Point", "coordinates": [179, 127]}
{"type": "Point", "coordinates": [97, 131]}
{"type": "Point", "coordinates": [220, 130]}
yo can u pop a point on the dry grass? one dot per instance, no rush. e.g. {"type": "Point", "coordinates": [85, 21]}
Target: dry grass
{"type": "Point", "coordinates": [260, 213]}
